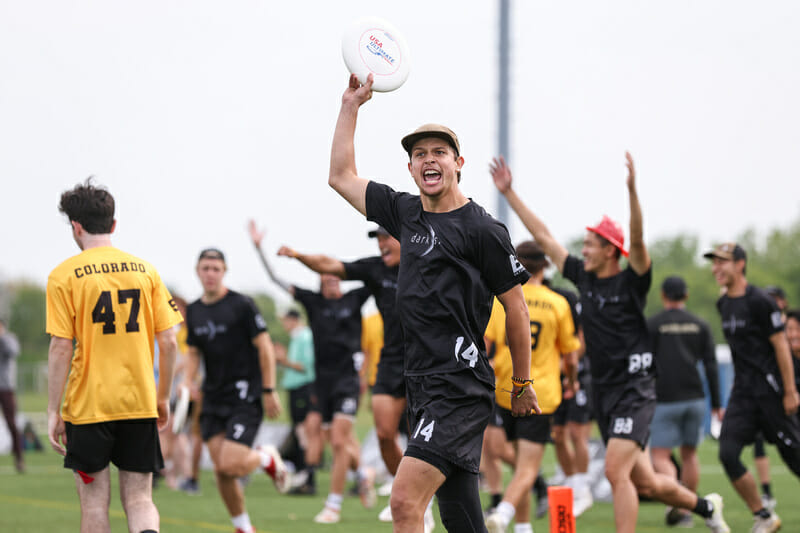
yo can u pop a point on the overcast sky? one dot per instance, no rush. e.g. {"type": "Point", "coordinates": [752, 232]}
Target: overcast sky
{"type": "Point", "coordinates": [199, 114]}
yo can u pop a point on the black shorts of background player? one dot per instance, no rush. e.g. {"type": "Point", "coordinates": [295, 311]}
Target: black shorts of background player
{"type": "Point", "coordinates": [764, 395]}
{"type": "Point", "coordinates": [226, 331]}
{"type": "Point", "coordinates": [618, 347]}
{"type": "Point", "coordinates": [454, 258]}
{"type": "Point", "coordinates": [379, 274]}
{"type": "Point", "coordinates": [335, 321]}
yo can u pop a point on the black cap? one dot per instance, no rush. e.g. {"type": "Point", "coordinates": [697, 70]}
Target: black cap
{"type": "Point", "coordinates": [775, 291]}
{"type": "Point", "coordinates": [292, 313]}
{"type": "Point", "coordinates": [729, 251]}
{"type": "Point", "coordinates": [674, 288]}
{"type": "Point", "coordinates": [380, 230]}
{"type": "Point", "coordinates": [211, 253]}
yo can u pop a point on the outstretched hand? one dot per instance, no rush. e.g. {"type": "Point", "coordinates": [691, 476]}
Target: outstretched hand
{"type": "Point", "coordinates": [256, 235]}
{"type": "Point", "coordinates": [356, 93]}
{"type": "Point", "coordinates": [501, 174]}
{"type": "Point", "coordinates": [631, 181]}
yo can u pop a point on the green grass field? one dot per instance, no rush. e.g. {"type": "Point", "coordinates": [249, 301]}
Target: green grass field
{"type": "Point", "coordinates": [44, 499]}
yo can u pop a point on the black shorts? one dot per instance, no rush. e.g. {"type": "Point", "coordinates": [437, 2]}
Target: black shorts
{"type": "Point", "coordinates": [390, 378]}
{"type": "Point", "coordinates": [625, 411]}
{"type": "Point", "coordinates": [300, 402]}
{"type": "Point", "coordinates": [756, 411]}
{"type": "Point", "coordinates": [497, 417]}
{"type": "Point", "coordinates": [132, 445]}
{"type": "Point", "coordinates": [534, 428]}
{"type": "Point", "coordinates": [577, 409]}
{"type": "Point", "coordinates": [448, 414]}
{"type": "Point", "coordinates": [335, 396]}
{"type": "Point", "coordinates": [239, 422]}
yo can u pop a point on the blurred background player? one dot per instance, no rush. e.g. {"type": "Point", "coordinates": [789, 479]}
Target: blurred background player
{"type": "Point", "coordinates": [9, 352]}
{"type": "Point", "coordinates": [226, 331]}
{"type": "Point", "coordinates": [111, 305]}
{"type": "Point", "coordinates": [618, 346]}
{"type": "Point", "coordinates": [552, 334]}
{"type": "Point", "coordinates": [335, 321]}
{"type": "Point", "coordinates": [680, 340]}
{"type": "Point", "coordinates": [764, 396]}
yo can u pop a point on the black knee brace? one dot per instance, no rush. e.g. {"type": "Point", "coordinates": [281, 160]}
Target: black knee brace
{"type": "Point", "coordinates": [729, 455]}
{"type": "Point", "coordinates": [758, 448]}
{"type": "Point", "coordinates": [460, 503]}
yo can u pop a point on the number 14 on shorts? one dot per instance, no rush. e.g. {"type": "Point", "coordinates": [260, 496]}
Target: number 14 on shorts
{"type": "Point", "coordinates": [426, 431]}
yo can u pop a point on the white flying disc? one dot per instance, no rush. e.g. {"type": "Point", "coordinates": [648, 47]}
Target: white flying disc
{"type": "Point", "coordinates": [372, 45]}
{"type": "Point", "coordinates": [181, 410]}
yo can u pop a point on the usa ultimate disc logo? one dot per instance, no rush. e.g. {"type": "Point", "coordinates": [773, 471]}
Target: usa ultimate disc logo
{"type": "Point", "coordinates": [379, 52]}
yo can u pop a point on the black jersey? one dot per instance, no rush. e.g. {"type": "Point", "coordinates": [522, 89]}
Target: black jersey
{"type": "Point", "coordinates": [748, 322]}
{"type": "Point", "coordinates": [680, 340]}
{"type": "Point", "coordinates": [382, 283]}
{"type": "Point", "coordinates": [224, 333]}
{"type": "Point", "coordinates": [614, 327]}
{"type": "Point", "coordinates": [451, 264]}
{"type": "Point", "coordinates": [336, 327]}
{"type": "Point", "coordinates": [575, 308]}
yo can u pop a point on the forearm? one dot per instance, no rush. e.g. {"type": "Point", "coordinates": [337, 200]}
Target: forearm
{"type": "Point", "coordinates": [519, 341]}
{"type": "Point", "coordinates": [541, 234]}
{"type": "Point", "coordinates": [322, 264]}
{"type": "Point", "coordinates": [59, 357]}
{"type": "Point", "coordinates": [266, 358]}
{"type": "Point", "coordinates": [271, 273]}
{"type": "Point", "coordinates": [167, 352]}
{"type": "Point", "coordinates": [571, 366]}
{"type": "Point", "coordinates": [784, 357]}
{"type": "Point", "coordinates": [343, 176]}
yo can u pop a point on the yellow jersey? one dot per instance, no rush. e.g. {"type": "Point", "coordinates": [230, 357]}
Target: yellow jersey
{"type": "Point", "coordinates": [112, 304]}
{"type": "Point", "coordinates": [552, 334]}
{"type": "Point", "coordinates": [372, 343]}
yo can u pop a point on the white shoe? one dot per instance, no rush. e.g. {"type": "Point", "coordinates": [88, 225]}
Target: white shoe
{"type": "Point", "coordinates": [495, 523]}
{"type": "Point", "coordinates": [385, 489]}
{"type": "Point", "coordinates": [277, 471]}
{"type": "Point", "coordinates": [581, 500]}
{"type": "Point", "coordinates": [327, 516]}
{"type": "Point", "coordinates": [430, 523]}
{"type": "Point", "coordinates": [716, 523]}
{"type": "Point", "coordinates": [766, 525]}
{"type": "Point", "coordinates": [386, 514]}
{"type": "Point", "coordinates": [366, 488]}
{"type": "Point", "coordinates": [769, 502]}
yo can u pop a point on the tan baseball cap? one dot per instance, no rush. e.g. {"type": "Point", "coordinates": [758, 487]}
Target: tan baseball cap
{"type": "Point", "coordinates": [729, 251]}
{"type": "Point", "coordinates": [431, 130]}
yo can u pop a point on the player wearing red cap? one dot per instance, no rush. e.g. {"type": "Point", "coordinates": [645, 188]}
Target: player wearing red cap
{"type": "Point", "coordinates": [618, 345]}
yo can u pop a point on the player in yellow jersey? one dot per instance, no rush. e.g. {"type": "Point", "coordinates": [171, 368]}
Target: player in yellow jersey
{"type": "Point", "coordinates": [112, 305]}
{"type": "Point", "coordinates": [552, 336]}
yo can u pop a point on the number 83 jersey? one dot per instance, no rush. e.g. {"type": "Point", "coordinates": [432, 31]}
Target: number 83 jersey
{"type": "Point", "coordinates": [112, 304]}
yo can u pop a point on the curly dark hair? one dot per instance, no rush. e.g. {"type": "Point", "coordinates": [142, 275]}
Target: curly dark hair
{"type": "Point", "coordinates": [89, 205]}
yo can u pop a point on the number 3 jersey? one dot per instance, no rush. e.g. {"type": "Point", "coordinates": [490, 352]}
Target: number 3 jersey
{"type": "Point", "coordinates": [223, 332]}
{"type": "Point", "coordinates": [612, 312]}
{"type": "Point", "coordinates": [113, 304]}
{"type": "Point", "coordinates": [451, 264]}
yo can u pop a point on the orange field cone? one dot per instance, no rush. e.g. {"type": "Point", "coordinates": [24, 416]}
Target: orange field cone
{"type": "Point", "coordinates": [561, 518]}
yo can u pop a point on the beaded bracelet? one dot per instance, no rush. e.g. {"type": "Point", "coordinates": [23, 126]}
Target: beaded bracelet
{"type": "Point", "coordinates": [519, 382]}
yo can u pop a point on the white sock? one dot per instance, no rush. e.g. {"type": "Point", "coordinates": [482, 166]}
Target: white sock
{"type": "Point", "coordinates": [506, 511]}
{"type": "Point", "coordinates": [523, 528]}
{"type": "Point", "coordinates": [266, 459]}
{"type": "Point", "coordinates": [242, 522]}
{"type": "Point", "coordinates": [334, 501]}
{"type": "Point", "coordinates": [570, 481]}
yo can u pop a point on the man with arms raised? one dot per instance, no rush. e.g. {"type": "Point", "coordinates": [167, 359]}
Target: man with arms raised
{"type": "Point", "coordinates": [454, 257]}
{"type": "Point", "coordinates": [618, 346]}
{"type": "Point", "coordinates": [113, 304]}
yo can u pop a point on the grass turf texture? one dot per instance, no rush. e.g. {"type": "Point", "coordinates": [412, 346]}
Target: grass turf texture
{"type": "Point", "coordinates": [44, 499]}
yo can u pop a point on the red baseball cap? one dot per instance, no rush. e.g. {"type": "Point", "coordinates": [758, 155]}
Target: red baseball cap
{"type": "Point", "coordinates": [612, 232]}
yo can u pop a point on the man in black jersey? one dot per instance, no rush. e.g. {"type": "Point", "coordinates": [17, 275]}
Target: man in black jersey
{"type": "Point", "coordinates": [764, 396]}
{"type": "Point", "coordinates": [680, 340]}
{"type": "Point", "coordinates": [454, 257]}
{"type": "Point", "coordinates": [335, 321]}
{"type": "Point", "coordinates": [619, 349]}
{"type": "Point", "coordinates": [389, 392]}
{"type": "Point", "coordinates": [793, 335]}
{"type": "Point", "coordinates": [227, 331]}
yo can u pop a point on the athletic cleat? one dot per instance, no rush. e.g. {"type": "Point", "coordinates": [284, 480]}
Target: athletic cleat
{"type": "Point", "coordinates": [542, 506]}
{"type": "Point", "coordinates": [716, 523]}
{"type": "Point", "coordinates": [428, 521]}
{"type": "Point", "coordinates": [276, 470]}
{"type": "Point", "coordinates": [677, 517]}
{"type": "Point", "coordinates": [366, 489]}
{"type": "Point", "coordinates": [766, 525]}
{"type": "Point", "coordinates": [769, 502]}
{"type": "Point", "coordinates": [189, 486]}
{"type": "Point", "coordinates": [327, 516]}
{"type": "Point", "coordinates": [581, 501]}
{"type": "Point", "coordinates": [495, 523]}
{"type": "Point", "coordinates": [386, 514]}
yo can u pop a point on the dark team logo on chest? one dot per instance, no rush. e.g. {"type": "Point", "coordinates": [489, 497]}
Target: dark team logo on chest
{"type": "Point", "coordinates": [210, 330]}
{"type": "Point", "coordinates": [424, 241]}
{"type": "Point", "coordinates": [731, 324]}
{"type": "Point", "coordinates": [600, 300]}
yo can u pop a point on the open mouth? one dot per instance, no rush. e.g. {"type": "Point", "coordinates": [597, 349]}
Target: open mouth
{"type": "Point", "coordinates": [431, 176]}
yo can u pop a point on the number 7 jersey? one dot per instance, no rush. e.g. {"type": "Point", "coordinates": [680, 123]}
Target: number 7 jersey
{"type": "Point", "coordinates": [112, 304]}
